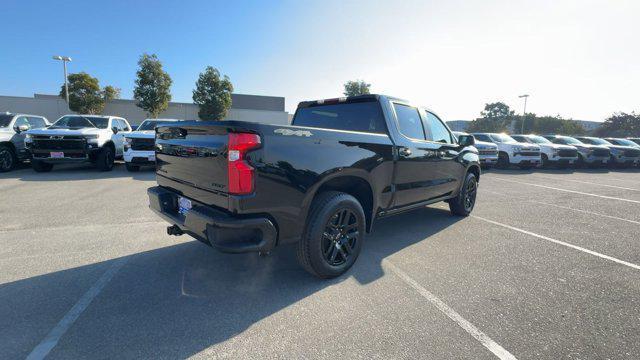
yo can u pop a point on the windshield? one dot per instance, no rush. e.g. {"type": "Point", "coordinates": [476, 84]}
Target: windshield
{"type": "Point", "coordinates": [79, 122]}
{"type": "Point", "coordinates": [568, 140]}
{"type": "Point", "coordinates": [5, 120]}
{"type": "Point", "coordinates": [539, 139]}
{"type": "Point", "coordinates": [502, 138]}
{"type": "Point", "coordinates": [148, 125]}
{"type": "Point", "coordinates": [596, 141]}
{"type": "Point", "coordinates": [625, 142]}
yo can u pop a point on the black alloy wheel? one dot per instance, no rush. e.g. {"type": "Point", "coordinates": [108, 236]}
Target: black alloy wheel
{"type": "Point", "coordinates": [471, 190]}
{"type": "Point", "coordinates": [340, 237]}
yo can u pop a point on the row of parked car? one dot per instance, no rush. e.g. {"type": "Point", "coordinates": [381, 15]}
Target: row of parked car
{"type": "Point", "coordinates": [75, 138]}
{"type": "Point", "coordinates": [527, 151]}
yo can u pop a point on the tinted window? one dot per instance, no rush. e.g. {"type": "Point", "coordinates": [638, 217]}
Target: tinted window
{"type": "Point", "coordinates": [409, 121]}
{"type": "Point", "coordinates": [519, 138]}
{"type": "Point", "coordinates": [125, 126]}
{"type": "Point", "coordinates": [356, 116]}
{"type": "Point", "coordinates": [5, 120]}
{"type": "Point", "coordinates": [438, 130]}
{"type": "Point", "coordinates": [37, 123]}
{"type": "Point", "coordinates": [148, 125]}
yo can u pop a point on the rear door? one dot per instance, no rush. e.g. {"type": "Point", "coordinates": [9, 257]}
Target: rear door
{"type": "Point", "coordinates": [420, 174]}
{"type": "Point", "coordinates": [18, 138]}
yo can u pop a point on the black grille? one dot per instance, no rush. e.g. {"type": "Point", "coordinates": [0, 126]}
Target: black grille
{"type": "Point", "coordinates": [488, 152]}
{"type": "Point", "coordinates": [62, 144]}
{"type": "Point", "coordinates": [568, 153]}
{"type": "Point", "coordinates": [529, 153]}
{"type": "Point", "coordinates": [601, 152]}
{"type": "Point", "coordinates": [142, 144]}
{"type": "Point", "coordinates": [632, 153]}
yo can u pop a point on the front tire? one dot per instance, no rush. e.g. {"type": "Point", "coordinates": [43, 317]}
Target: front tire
{"type": "Point", "coordinates": [105, 159]}
{"type": "Point", "coordinates": [333, 236]}
{"type": "Point", "coordinates": [463, 204]}
{"type": "Point", "coordinates": [503, 160]}
{"type": "Point", "coordinates": [8, 158]}
{"type": "Point", "coordinates": [40, 166]}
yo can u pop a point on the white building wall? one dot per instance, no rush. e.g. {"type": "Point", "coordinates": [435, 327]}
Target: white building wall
{"type": "Point", "coordinates": [53, 107]}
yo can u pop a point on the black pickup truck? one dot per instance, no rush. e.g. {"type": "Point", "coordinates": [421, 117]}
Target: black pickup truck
{"type": "Point", "coordinates": [320, 183]}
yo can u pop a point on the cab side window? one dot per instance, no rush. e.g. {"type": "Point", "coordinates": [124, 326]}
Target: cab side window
{"type": "Point", "coordinates": [36, 122]}
{"type": "Point", "coordinates": [438, 130]}
{"type": "Point", "coordinates": [125, 127]}
{"type": "Point", "coordinates": [481, 137]}
{"type": "Point", "coordinates": [409, 121]}
{"type": "Point", "coordinates": [22, 120]}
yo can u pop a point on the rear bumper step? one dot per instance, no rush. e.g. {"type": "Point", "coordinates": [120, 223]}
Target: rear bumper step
{"type": "Point", "coordinates": [216, 228]}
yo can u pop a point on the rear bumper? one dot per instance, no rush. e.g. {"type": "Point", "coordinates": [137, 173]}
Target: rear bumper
{"type": "Point", "coordinates": [222, 231]}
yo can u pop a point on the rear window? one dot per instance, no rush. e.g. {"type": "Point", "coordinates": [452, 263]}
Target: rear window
{"type": "Point", "coordinates": [359, 116]}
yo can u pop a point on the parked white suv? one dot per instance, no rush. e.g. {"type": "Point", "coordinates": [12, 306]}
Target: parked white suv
{"type": "Point", "coordinates": [487, 151]}
{"type": "Point", "coordinates": [510, 151]}
{"type": "Point", "coordinates": [13, 129]}
{"type": "Point", "coordinates": [556, 154]}
{"type": "Point", "coordinates": [139, 146]}
{"type": "Point", "coordinates": [78, 138]}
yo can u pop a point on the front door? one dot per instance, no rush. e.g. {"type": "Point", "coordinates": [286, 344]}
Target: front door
{"type": "Point", "coordinates": [421, 169]}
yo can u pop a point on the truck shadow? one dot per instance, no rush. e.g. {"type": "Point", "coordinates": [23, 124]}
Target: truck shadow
{"type": "Point", "coordinates": [177, 301]}
{"type": "Point", "coordinates": [71, 172]}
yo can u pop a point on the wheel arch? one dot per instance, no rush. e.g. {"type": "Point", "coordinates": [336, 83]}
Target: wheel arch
{"type": "Point", "coordinates": [355, 185]}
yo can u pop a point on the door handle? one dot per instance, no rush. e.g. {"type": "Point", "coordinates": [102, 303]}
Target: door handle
{"type": "Point", "coordinates": [404, 151]}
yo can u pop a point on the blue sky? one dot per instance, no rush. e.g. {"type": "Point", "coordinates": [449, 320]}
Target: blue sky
{"type": "Point", "coordinates": [576, 58]}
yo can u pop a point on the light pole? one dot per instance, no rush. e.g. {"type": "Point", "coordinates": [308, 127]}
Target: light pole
{"type": "Point", "coordinates": [524, 112]}
{"type": "Point", "coordinates": [64, 60]}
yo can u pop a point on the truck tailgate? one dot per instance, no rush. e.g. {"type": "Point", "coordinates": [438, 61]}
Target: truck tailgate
{"type": "Point", "coordinates": [193, 155]}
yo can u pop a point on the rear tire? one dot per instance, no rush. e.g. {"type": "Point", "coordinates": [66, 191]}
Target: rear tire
{"type": "Point", "coordinates": [132, 168]}
{"type": "Point", "coordinates": [463, 204]}
{"type": "Point", "coordinates": [545, 161]}
{"type": "Point", "coordinates": [105, 159]}
{"type": "Point", "coordinates": [8, 158]}
{"type": "Point", "coordinates": [40, 166]}
{"type": "Point", "coordinates": [333, 236]}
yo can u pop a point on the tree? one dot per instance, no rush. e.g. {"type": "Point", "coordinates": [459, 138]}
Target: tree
{"type": "Point", "coordinates": [85, 95]}
{"type": "Point", "coordinates": [152, 90]}
{"type": "Point", "coordinates": [212, 94]}
{"type": "Point", "coordinates": [109, 93]}
{"type": "Point", "coordinates": [620, 125]}
{"type": "Point", "coordinates": [355, 88]}
{"type": "Point", "coordinates": [496, 117]}
{"type": "Point", "coordinates": [548, 125]}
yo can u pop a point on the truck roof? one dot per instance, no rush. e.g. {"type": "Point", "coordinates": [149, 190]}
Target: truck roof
{"type": "Point", "coordinates": [304, 104]}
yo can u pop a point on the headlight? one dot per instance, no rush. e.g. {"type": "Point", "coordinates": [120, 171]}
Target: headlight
{"type": "Point", "coordinates": [127, 144]}
{"type": "Point", "coordinates": [517, 148]}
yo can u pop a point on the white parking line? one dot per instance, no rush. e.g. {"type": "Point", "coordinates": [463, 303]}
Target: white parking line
{"type": "Point", "coordinates": [485, 340]}
{"type": "Point", "coordinates": [575, 247]}
{"type": "Point", "coordinates": [587, 182]}
{"type": "Point", "coordinates": [586, 212]}
{"type": "Point", "coordinates": [569, 191]}
{"type": "Point", "coordinates": [566, 208]}
{"type": "Point", "coordinates": [52, 338]}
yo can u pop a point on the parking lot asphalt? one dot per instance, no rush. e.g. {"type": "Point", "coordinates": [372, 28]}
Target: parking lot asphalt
{"type": "Point", "coordinates": [547, 267]}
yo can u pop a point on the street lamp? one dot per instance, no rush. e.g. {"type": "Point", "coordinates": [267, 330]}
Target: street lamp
{"type": "Point", "coordinates": [64, 60]}
{"type": "Point", "coordinates": [524, 112]}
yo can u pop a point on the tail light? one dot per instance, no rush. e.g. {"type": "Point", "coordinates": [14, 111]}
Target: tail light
{"type": "Point", "coordinates": [241, 174]}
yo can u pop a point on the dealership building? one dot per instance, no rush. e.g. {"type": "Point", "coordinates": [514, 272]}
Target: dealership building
{"type": "Point", "coordinates": [254, 108]}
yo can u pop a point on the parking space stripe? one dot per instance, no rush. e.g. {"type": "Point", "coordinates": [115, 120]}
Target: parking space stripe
{"type": "Point", "coordinates": [575, 247]}
{"type": "Point", "coordinates": [566, 208]}
{"type": "Point", "coordinates": [585, 211]}
{"type": "Point", "coordinates": [569, 191]}
{"type": "Point", "coordinates": [587, 182]}
{"type": "Point", "coordinates": [471, 329]}
{"type": "Point", "coordinates": [52, 338]}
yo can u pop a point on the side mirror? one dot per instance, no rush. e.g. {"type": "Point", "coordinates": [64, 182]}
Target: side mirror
{"type": "Point", "coordinates": [21, 128]}
{"type": "Point", "coordinates": [114, 129]}
{"type": "Point", "coordinates": [466, 140]}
